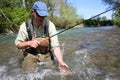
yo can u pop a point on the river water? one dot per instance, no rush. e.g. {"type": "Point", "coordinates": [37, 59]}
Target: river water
{"type": "Point", "coordinates": [92, 53]}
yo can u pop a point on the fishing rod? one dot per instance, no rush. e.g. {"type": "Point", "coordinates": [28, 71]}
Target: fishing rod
{"type": "Point", "coordinates": [77, 24]}
{"type": "Point", "coordinates": [81, 22]}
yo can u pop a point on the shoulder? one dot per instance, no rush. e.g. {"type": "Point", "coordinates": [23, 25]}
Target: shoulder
{"type": "Point", "coordinates": [52, 28]}
{"type": "Point", "coordinates": [23, 26]}
{"type": "Point", "coordinates": [23, 29]}
{"type": "Point", "coordinates": [51, 24]}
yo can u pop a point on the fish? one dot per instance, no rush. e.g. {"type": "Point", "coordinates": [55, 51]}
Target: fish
{"type": "Point", "coordinates": [43, 41]}
{"type": "Point", "coordinates": [65, 71]}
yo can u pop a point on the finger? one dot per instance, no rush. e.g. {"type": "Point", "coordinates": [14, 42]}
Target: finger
{"type": "Point", "coordinates": [37, 42]}
{"type": "Point", "coordinates": [66, 66]}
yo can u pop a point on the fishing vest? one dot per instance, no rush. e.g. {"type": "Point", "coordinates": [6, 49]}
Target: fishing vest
{"type": "Point", "coordinates": [43, 50]}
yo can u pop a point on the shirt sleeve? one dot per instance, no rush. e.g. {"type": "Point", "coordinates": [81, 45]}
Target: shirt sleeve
{"type": "Point", "coordinates": [22, 34]}
{"type": "Point", "coordinates": [52, 31]}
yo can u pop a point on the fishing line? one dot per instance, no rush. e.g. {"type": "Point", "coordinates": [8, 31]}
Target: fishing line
{"type": "Point", "coordinates": [77, 24]}
{"type": "Point", "coordinates": [81, 22]}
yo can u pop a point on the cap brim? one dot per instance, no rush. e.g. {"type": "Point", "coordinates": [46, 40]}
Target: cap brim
{"type": "Point", "coordinates": [42, 13]}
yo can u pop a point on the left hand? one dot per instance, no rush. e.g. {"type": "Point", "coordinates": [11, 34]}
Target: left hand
{"type": "Point", "coordinates": [63, 65]}
{"type": "Point", "coordinates": [66, 70]}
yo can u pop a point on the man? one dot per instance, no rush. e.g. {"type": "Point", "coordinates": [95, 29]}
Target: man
{"type": "Point", "coordinates": [33, 48]}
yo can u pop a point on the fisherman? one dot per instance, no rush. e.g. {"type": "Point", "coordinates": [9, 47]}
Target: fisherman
{"type": "Point", "coordinates": [34, 39]}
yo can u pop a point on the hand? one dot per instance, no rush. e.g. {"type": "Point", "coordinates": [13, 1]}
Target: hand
{"type": "Point", "coordinates": [63, 65]}
{"type": "Point", "coordinates": [63, 68]}
{"type": "Point", "coordinates": [33, 43]}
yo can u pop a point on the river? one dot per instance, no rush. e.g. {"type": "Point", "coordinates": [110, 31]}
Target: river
{"type": "Point", "coordinates": [92, 53]}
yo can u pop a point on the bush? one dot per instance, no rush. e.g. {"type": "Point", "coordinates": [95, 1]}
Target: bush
{"type": "Point", "coordinates": [13, 18]}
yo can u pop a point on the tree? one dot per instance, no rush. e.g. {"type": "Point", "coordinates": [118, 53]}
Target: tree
{"type": "Point", "coordinates": [12, 14]}
{"type": "Point", "coordinates": [62, 13]}
{"type": "Point", "coordinates": [68, 15]}
{"type": "Point", "coordinates": [116, 5]}
{"type": "Point", "coordinates": [15, 12]}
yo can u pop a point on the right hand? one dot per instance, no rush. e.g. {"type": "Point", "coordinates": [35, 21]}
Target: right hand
{"type": "Point", "coordinates": [33, 43]}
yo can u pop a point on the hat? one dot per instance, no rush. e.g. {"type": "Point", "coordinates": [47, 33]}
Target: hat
{"type": "Point", "coordinates": [40, 8]}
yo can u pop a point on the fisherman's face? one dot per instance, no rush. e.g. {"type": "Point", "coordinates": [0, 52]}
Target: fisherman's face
{"type": "Point", "coordinates": [38, 19]}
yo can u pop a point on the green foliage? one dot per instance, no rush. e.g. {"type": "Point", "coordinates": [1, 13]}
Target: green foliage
{"type": "Point", "coordinates": [2, 24]}
{"type": "Point", "coordinates": [98, 22]}
{"type": "Point", "coordinates": [13, 17]}
{"type": "Point", "coordinates": [116, 14]}
{"type": "Point", "coordinates": [66, 16]}
{"type": "Point", "coordinates": [17, 15]}
{"type": "Point", "coordinates": [12, 14]}
{"type": "Point", "coordinates": [112, 3]}
{"type": "Point", "coordinates": [117, 19]}
{"type": "Point", "coordinates": [10, 3]}
{"type": "Point", "coordinates": [15, 12]}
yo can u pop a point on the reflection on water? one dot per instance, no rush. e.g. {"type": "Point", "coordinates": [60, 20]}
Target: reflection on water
{"type": "Point", "coordinates": [92, 53]}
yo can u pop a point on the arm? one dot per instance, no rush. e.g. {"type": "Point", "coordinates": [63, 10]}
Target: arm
{"type": "Point", "coordinates": [55, 45]}
{"type": "Point", "coordinates": [58, 55]}
{"type": "Point", "coordinates": [32, 43]}
{"type": "Point", "coordinates": [22, 37]}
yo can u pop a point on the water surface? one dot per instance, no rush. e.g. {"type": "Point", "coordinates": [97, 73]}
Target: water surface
{"type": "Point", "coordinates": [92, 53]}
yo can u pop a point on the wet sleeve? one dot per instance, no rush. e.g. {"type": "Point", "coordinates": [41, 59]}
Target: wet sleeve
{"type": "Point", "coordinates": [52, 31]}
{"type": "Point", "coordinates": [22, 34]}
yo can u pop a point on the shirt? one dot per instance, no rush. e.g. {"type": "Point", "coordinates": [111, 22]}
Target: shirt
{"type": "Point", "coordinates": [23, 35]}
